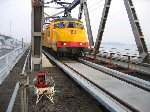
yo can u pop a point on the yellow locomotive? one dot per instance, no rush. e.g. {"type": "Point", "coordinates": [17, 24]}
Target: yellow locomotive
{"type": "Point", "coordinates": [66, 35]}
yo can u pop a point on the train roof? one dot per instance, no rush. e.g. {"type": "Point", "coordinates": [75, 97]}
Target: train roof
{"type": "Point", "coordinates": [66, 18]}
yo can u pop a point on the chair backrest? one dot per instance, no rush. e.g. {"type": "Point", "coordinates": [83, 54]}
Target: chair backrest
{"type": "Point", "coordinates": [41, 80]}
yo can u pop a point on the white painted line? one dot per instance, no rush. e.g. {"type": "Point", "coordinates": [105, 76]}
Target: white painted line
{"type": "Point", "coordinates": [25, 63]}
{"type": "Point", "coordinates": [11, 103]}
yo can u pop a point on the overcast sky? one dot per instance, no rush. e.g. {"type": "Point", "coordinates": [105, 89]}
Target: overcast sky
{"type": "Point", "coordinates": [17, 12]}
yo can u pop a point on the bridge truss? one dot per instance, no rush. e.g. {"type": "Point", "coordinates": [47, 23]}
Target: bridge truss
{"type": "Point", "coordinates": [37, 27]}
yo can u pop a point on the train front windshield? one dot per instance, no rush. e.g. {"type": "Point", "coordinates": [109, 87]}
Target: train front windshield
{"type": "Point", "coordinates": [80, 26]}
{"type": "Point", "coordinates": [61, 25]}
{"type": "Point", "coordinates": [69, 25]}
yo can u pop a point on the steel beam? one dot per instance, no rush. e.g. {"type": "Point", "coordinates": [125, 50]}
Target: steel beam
{"type": "Point", "coordinates": [80, 12]}
{"type": "Point", "coordinates": [87, 20]}
{"type": "Point", "coordinates": [22, 43]}
{"type": "Point", "coordinates": [83, 6]}
{"type": "Point", "coordinates": [102, 24]}
{"type": "Point", "coordinates": [37, 27]}
{"type": "Point", "coordinates": [67, 13]}
{"type": "Point", "coordinates": [137, 31]}
{"type": "Point", "coordinates": [73, 5]}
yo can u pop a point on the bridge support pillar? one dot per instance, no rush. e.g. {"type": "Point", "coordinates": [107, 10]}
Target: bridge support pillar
{"type": "Point", "coordinates": [37, 29]}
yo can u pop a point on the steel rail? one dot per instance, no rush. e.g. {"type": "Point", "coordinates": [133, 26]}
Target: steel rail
{"type": "Point", "coordinates": [13, 97]}
{"type": "Point", "coordinates": [125, 77]}
{"type": "Point", "coordinates": [103, 89]}
{"type": "Point", "coordinates": [70, 71]}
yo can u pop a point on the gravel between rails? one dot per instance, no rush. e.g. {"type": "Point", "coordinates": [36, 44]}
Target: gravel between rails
{"type": "Point", "coordinates": [69, 97]}
{"type": "Point", "coordinates": [7, 87]}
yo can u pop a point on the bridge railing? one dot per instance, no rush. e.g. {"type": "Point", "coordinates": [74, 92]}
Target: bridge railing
{"type": "Point", "coordinates": [8, 61]}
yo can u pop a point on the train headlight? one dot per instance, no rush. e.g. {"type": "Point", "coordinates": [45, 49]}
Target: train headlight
{"type": "Point", "coordinates": [64, 43]}
{"type": "Point", "coordinates": [82, 44]}
{"type": "Point", "coordinates": [73, 31]}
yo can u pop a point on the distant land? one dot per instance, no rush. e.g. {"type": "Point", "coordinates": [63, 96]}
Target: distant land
{"type": "Point", "coordinates": [120, 44]}
{"type": "Point", "coordinates": [113, 43]}
{"type": "Point", "coordinates": [7, 42]}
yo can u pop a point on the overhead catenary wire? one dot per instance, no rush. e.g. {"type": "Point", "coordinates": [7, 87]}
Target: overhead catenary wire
{"type": "Point", "coordinates": [96, 8]}
{"type": "Point", "coordinates": [93, 5]}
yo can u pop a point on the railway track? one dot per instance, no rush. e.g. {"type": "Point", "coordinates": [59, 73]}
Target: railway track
{"type": "Point", "coordinates": [94, 81]}
{"type": "Point", "coordinates": [140, 83]}
{"type": "Point", "coordinates": [70, 97]}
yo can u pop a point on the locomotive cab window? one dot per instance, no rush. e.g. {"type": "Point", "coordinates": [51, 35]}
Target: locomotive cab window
{"type": "Point", "coordinates": [55, 26]}
{"type": "Point", "coordinates": [61, 25]}
{"type": "Point", "coordinates": [80, 26]}
{"type": "Point", "coordinates": [48, 32]}
{"type": "Point", "coordinates": [70, 25]}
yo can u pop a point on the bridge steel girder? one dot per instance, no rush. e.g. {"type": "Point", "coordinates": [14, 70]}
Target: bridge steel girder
{"type": "Point", "coordinates": [102, 24]}
{"type": "Point", "coordinates": [87, 19]}
{"type": "Point", "coordinates": [36, 33]}
{"type": "Point", "coordinates": [73, 5]}
{"type": "Point", "coordinates": [80, 12]}
{"type": "Point", "coordinates": [137, 31]}
{"type": "Point", "coordinates": [83, 6]}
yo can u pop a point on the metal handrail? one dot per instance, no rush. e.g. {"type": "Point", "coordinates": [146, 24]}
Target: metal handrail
{"type": "Point", "coordinates": [9, 64]}
{"type": "Point", "coordinates": [10, 52]}
{"type": "Point", "coordinates": [11, 60]}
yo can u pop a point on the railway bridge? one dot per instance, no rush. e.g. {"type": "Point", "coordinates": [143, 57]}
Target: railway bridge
{"type": "Point", "coordinates": [97, 81]}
